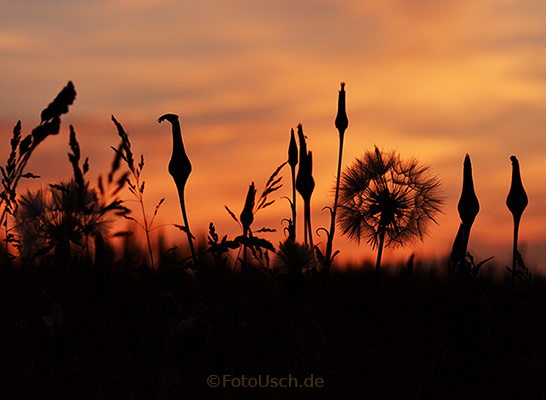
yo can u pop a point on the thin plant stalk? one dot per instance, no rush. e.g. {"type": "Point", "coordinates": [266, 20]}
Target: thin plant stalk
{"type": "Point", "coordinates": [180, 169]}
{"type": "Point", "coordinates": [516, 202]}
{"type": "Point", "coordinates": [293, 161]}
{"type": "Point", "coordinates": [341, 123]}
{"type": "Point", "coordinates": [137, 189]}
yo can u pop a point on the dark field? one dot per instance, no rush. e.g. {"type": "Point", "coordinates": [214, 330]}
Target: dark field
{"type": "Point", "coordinates": [130, 332]}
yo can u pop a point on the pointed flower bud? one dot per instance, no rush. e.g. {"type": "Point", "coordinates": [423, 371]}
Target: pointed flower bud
{"type": "Point", "coordinates": [293, 150]}
{"type": "Point", "coordinates": [305, 183]}
{"type": "Point", "coordinates": [341, 122]}
{"type": "Point", "coordinates": [469, 205]}
{"type": "Point", "coordinates": [517, 198]}
{"type": "Point", "coordinates": [247, 215]}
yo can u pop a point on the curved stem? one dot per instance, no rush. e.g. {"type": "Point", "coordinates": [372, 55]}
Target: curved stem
{"type": "Point", "coordinates": [292, 233]}
{"type": "Point", "coordinates": [308, 231]}
{"type": "Point", "coordinates": [330, 242]}
{"type": "Point", "coordinates": [146, 230]}
{"type": "Point", "coordinates": [195, 268]}
{"type": "Point", "coordinates": [514, 251]}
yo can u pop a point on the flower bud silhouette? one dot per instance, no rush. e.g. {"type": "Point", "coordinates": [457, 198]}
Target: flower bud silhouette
{"type": "Point", "coordinates": [180, 169]}
{"type": "Point", "coordinates": [247, 215]}
{"type": "Point", "coordinates": [468, 205]}
{"type": "Point", "coordinates": [516, 202]}
{"type": "Point", "coordinates": [180, 165]}
{"type": "Point", "coordinates": [293, 162]}
{"type": "Point", "coordinates": [468, 208]}
{"type": "Point", "coordinates": [305, 184]}
{"type": "Point", "coordinates": [517, 198]}
{"type": "Point", "coordinates": [341, 122]}
{"type": "Point", "coordinates": [293, 150]}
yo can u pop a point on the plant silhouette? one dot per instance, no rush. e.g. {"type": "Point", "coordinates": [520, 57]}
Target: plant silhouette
{"type": "Point", "coordinates": [387, 201]}
{"type": "Point", "coordinates": [516, 202]}
{"type": "Point", "coordinates": [293, 162]}
{"type": "Point", "coordinates": [22, 149]}
{"type": "Point", "coordinates": [305, 184]}
{"type": "Point", "coordinates": [180, 170]}
{"type": "Point", "coordinates": [468, 208]}
{"type": "Point", "coordinates": [341, 123]}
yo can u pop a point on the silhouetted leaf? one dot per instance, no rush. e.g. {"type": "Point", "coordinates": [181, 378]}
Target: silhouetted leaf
{"type": "Point", "coordinates": [266, 230]}
{"type": "Point", "coordinates": [122, 233]}
{"type": "Point", "coordinates": [232, 214]}
{"type": "Point", "coordinates": [184, 229]}
{"type": "Point", "coordinates": [30, 175]}
{"type": "Point", "coordinates": [120, 183]}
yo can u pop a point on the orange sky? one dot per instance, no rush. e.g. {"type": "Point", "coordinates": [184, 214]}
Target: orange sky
{"type": "Point", "coordinates": [431, 79]}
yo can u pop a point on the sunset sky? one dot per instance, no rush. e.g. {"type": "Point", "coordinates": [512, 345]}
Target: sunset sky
{"type": "Point", "coordinates": [431, 79]}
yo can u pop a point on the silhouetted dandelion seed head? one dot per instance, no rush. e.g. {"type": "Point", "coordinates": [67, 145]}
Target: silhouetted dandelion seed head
{"type": "Point", "coordinates": [383, 194]}
{"type": "Point", "coordinates": [292, 255]}
{"type": "Point", "coordinates": [59, 211]}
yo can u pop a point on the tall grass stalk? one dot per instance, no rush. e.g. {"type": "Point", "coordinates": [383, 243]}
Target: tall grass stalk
{"type": "Point", "coordinates": [137, 188]}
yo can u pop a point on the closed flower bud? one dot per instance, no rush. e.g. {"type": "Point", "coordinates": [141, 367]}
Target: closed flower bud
{"type": "Point", "coordinates": [247, 215]}
{"type": "Point", "coordinates": [517, 198]}
{"type": "Point", "coordinates": [469, 205]}
{"type": "Point", "coordinates": [341, 122]}
{"type": "Point", "coordinates": [293, 150]}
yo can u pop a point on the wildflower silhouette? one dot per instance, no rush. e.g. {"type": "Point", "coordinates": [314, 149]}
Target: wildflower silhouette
{"type": "Point", "coordinates": [341, 122]}
{"type": "Point", "coordinates": [305, 184]}
{"type": "Point", "coordinates": [468, 208]}
{"type": "Point", "coordinates": [54, 216]}
{"type": "Point", "coordinates": [387, 201]}
{"type": "Point", "coordinates": [65, 213]}
{"type": "Point", "coordinates": [180, 169]}
{"type": "Point", "coordinates": [516, 202]}
{"type": "Point", "coordinates": [293, 162]}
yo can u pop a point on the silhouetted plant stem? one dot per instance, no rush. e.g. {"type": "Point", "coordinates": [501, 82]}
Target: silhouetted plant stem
{"type": "Point", "coordinates": [293, 161]}
{"type": "Point", "coordinates": [341, 123]}
{"type": "Point", "coordinates": [468, 208]}
{"type": "Point", "coordinates": [516, 202]}
{"type": "Point", "coordinates": [180, 169]}
{"type": "Point", "coordinates": [515, 251]}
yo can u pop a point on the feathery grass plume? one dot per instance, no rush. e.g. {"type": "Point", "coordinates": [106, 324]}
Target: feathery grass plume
{"type": "Point", "coordinates": [22, 149]}
{"type": "Point", "coordinates": [341, 123]}
{"type": "Point", "coordinates": [305, 184]}
{"type": "Point", "coordinates": [387, 201]}
{"type": "Point", "coordinates": [468, 208]}
{"type": "Point", "coordinates": [293, 162]}
{"type": "Point", "coordinates": [124, 152]}
{"type": "Point", "coordinates": [516, 202]}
